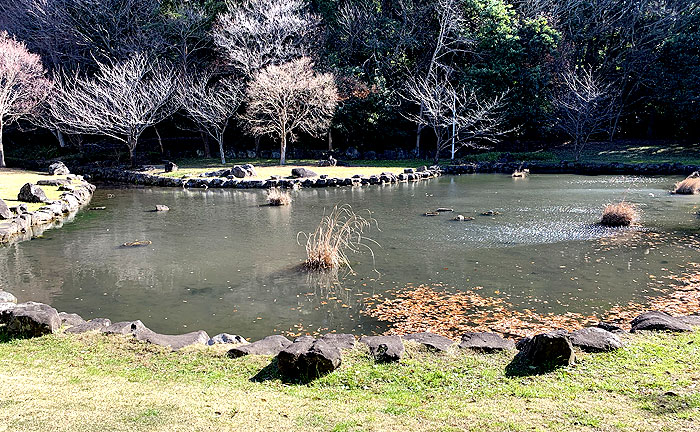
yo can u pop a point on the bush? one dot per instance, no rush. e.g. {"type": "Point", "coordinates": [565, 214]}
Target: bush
{"type": "Point", "coordinates": [619, 215]}
{"type": "Point", "coordinates": [689, 186]}
{"type": "Point", "coordinates": [276, 197]}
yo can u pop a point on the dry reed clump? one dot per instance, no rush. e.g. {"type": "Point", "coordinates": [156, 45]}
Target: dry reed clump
{"type": "Point", "coordinates": [689, 186]}
{"type": "Point", "coordinates": [619, 215]}
{"type": "Point", "coordinates": [276, 197]}
{"type": "Point", "coordinates": [339, 232]}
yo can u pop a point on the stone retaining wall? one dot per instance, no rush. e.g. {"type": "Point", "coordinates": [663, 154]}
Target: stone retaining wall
{"type": "Point", "coordinates": [23, 225]}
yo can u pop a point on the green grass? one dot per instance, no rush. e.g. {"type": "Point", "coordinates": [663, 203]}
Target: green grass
{"type": "Point", "coordinates": [12, 180]}
{"type": "Point", "coordinates": [96, 383]}
{"type": "Point", "coordinates": [635, 152]}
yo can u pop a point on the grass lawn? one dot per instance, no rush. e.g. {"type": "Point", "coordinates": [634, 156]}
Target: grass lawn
{"type": "Point", "coordinates": [99, 383]}
{"type": "Point", "coordinates": [635, 152]}
{"type": "Point", "coordinates": [12, 180]}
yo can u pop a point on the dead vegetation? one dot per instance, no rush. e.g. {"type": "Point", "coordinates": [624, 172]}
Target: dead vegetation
{"type": "Point", "coordinates": [619, 215]}
{"type": "Point", "coordinates": [689, 186]}
{"type": "Point", "coordinates": [277, 197]}
{"type": "Point", "coordinates": [340, 232]}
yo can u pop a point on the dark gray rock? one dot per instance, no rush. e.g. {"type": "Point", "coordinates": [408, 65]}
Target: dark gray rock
{"type": "Point", "coordinates": [431, 341]}
{"type": "Point", "coordinates": [6, 297]}
{"type": "Point", "coordinates": [225, 338]}
{"type": "Point", "coordinates": [612, 328]}
{"type": "Point", "coordinates": [30, 319]}
{"type": "Point", "coordinates": [5, 212]}
{"type": "Point", "coordinates": [243, 171]}
{"type": "Point", "coordinates": [53, 182]}
{"type": "Point", "coordinates": [594, 339]}
{"type": "Point", "coordinates": [486, 342]}
{"type": "Point", "coordinates": [171, 166]}
{"type": "Point", "coordinates": [659, 321]}
{"type": "Point", "coordinates": [58, 168]}
{"type": "Point", "coordinates": [546, 350]}
{"type": "Point", "coordinates": [271, 345]}
{"type": "Point", "coordinates": [384, 348]}
{"type": "Point", "coordinates": [339, 340]}
{"type": "Point", "coordinates": [691, 320]}
{"type": "Point", "coordinates": [97, 324]}
{"type": "Point", "coordinates": [302, 172]}
{"type": "Point", "coordinates": [125, 327]}
{"type": "Point", "coordinates": [31, 193]}
{"type": "Point", "coordinates": [70, 319]}
{"type": "Point", "coordinates": [174, 342]}
{"type": "Point", "coordinates": [352, 153]}
{"type": "Point", "coordinates": [307, 359]}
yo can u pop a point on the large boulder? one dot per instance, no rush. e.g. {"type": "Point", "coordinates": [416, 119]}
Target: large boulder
{"type": "Point", "coordinates": [271, 345]}
{"type": "Point", "coordinates": [545, 351]}
{"type": "Point", "coordinates": [308, 358]}
{"type": "Point", "coordinates": [6, 297]}
{"type": "Point", "coordinates": [692, 320]}
{"type": "Point", "coordinates": [58, 168]}
{"type": "Point", "coordinates": [53, 182]}
{"type": "Point", "coordinates": [71, 319]}
{"type": "Point", "coordinates": [594, 339]}
{"type": "Point", "coordinates": [302, 172]}
{"type": "Point", "coordinates": [485, 342]}
{"type": "Point", "coordinates": [431, 341]}
{"type": "Point", "coordinates": [96, 324]}
{"type": "Point", "coordinates": [5, 212]}
{"type": "Point", "coordinates": [170, 166]}
{"type": "Point", "coordinates": [138, 330]}
{"type": "Point", "coordinates": [339, 340]}
{"type": "Point", "coordinates": [659, 321]}
{"type": "Point", "coordinates": [225, 338]}
{"type": "Point", "coordinates": [30, 319]}
{"type": "Point", "coordinates": [384, 348]}
{"type": "Point", "coordinates": [32, 193]}
{"type": "Point", "coordinates": [243, 171]}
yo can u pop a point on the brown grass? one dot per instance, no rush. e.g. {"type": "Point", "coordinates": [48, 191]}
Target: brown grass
{"type": "Point", "coordinates": [276, 197]}
{"type": "Point", "coordinates": [620, 214]}
{"type": "Point", "coordinates": [689, 186]}
{"type": "Point", "coordinates": [339, 232]}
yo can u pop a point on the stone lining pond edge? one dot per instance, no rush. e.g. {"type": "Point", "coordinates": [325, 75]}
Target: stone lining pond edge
{"type": "Point", "coordinates": [25, 225]}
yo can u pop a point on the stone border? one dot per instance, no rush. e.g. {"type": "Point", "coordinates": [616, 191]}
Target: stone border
{"type": "Point", "coordinates": [230, 182]}
{"type": "Point", "coordinates": [25, 224]}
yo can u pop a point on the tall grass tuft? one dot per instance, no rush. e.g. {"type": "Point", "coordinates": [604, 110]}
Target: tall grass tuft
{"type": "Point", "coordinates": [619, 215]}
{"type": "Point", "coordinates": [276, 197]}
{"type": "Point", "coordinates": [339, 232]}
{"type": "Point", "coordinates": [689, 186]}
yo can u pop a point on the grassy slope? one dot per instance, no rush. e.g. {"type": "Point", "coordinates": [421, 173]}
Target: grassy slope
{"type": "Point", "coordinates": [12, 180]}
{"type": "Point", "coordinates": [90, 383]}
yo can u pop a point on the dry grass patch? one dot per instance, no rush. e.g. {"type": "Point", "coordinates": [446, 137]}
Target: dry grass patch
{"type": "Point", "coordinates": [689, 186]}
{"type": "Point", "coordinates": [277, 197]}
{"type": "Point", "coordinates": [619, 215]}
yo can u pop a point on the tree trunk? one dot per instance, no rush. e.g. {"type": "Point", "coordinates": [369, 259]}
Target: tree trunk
{"type": "Point", "coordinates": [205, 139]}
{"type": "Point", "coordinates": [418, 132]}
{"type": "Point", "coordinates": [330, 140]}
{"type": "Point", "coordinates": [131, 143]}
{"type": "Point", "coordinates": [257, 145]}
{"type": "Point", "coordinates": [283, 149]}
{"type": "Point", "coordinates": [59, 137]}
{"type": "Point", "coordinates": [220, 139]}
{"type": "Point", "coordinates": [2, 149]}
{"type": "Point", "coordinates": [160, 141]}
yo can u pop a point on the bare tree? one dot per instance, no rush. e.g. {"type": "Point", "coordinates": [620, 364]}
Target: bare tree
{"type": "Point", "coordinates": [582, 107]}
{"type": "Point", "coordinates": [23, 84]}
{"type": "Point", "coordinates": [284, 99]}
{"type": "Point", "coordinates": [257, 33]}
{"type": "Point", "coordinates": [120, 101]}
{"type": "Point", "coordinates": [457, 116]}
{"type": "Point", "coordinates": [187, 32]}
{"type": "Point", "coordinates": [212, 104]}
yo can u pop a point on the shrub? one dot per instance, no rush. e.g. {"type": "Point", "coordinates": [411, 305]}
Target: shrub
{"type": "Point", "coordinates": [276, 197]}
{"type": "Point", "coordinates": [620, 214]}
{"type": "Point", "coordinates": [689, 186]}
{"type": "Point", "coordinates": [339, 232]}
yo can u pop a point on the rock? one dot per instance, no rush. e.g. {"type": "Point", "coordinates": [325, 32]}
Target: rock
{"type": "Point", "coordinates": [225, 338]}
{"type": "Point", "coordinates": [243, 171]}
{"type": "Point", "coordinates": [384, 348]}
{"type": "Point", "coordinates": [330, 162]}
{"type": "Point", "coordinates": [431, 341]}
{"type": "Point", "coordinates": [659, 321]}
{"type": "Point", "coordinates": [485, 342]}
{"type": "Point", "coordinates": [339, 340]}
{"type": "Point", "coordinates": [70, 319]}
{"type": "Point", "coordinates": [443, 209]}
{"type": "Point", "coordinates": [171, 166]}
{"type": "Point", "coordinates": [162, 208]}
{"type": "Point", "coordinates": [409, 170]}
{"type": "Point", "coordinates": [610, 327]}
{"type": "Point", "coordinates": [422, 169]}
{"type": "Point", "coordinates": [308, 358]}
{"type": "Point", "coordinates": [692, 320]}
{"type": "Point", "coordinates": [99, 324]}
{"type": "Point", "coordinates": [302, 172]}
{"type": "Point", "coordinates": [31, 193]}
{"type": "Point", "coordinates": [271, 345]}
{"type": "Point", "coordinates": [125, 327]}
{"type": "Point", "coordinates": [546, 351]}
{"type": "Point", "coordinates": [174, 342]}
{"type": "Point", "coordinates": [370, 155]}
{"type": "Point", "coordinates": [30, 319]}
{"type": "Point", "coordinates": [53, 182]}
{"type": "Point", "coordinates": [58, 168]}
{"type": "Point", "coordinates": [352, 153]}
{"type": "Point", "coordinates": [6, 297]}
{"type": "Point", "coordinates": [594, 339]}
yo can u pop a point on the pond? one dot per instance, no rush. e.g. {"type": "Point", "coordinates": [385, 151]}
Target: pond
{"type": "Point", "coordinates": [221, 261]}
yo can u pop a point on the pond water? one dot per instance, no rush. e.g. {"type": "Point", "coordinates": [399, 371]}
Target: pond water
{"type": "Point", "coordinates": [220, 261]}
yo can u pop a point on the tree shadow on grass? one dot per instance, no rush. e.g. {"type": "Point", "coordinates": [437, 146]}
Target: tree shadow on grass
{"type": "Point", "coordinates": [271, 372]}
{"type": "Point", "coordinates": [520, 368]}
